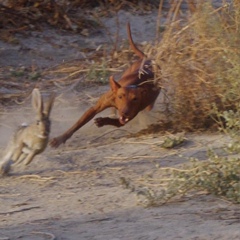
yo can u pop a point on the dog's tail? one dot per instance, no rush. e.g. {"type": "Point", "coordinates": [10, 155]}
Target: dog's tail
{"type": "Point", "coordinates": [132, 44]}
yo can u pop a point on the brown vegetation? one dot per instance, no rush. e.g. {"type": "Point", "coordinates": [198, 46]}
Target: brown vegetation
{"type": "Point", "coordinates": [19, 15]}
{"type": "Point", "coordinates": [199, 61]}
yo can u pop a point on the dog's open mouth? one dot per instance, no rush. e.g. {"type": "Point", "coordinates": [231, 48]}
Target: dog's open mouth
{"type": "Point", "coordinates": [123, 120]}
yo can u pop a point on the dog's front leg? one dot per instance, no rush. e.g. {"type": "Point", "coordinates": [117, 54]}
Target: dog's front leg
{"type": "Point", "coordinates": [100, 122]}
{"type": "Point", "coordinates": [87, 116]}
{"type": "Point", "coordinates": [105, 101]}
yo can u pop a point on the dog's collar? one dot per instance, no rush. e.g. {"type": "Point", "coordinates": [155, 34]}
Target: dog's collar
{"type": "Point", "coordinates": [132, 86]}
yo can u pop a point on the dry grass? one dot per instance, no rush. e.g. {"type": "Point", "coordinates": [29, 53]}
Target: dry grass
{"type": "Point", "coordinates": [199, 61]}
{"type": "Point", "coordinates": [21, 15]}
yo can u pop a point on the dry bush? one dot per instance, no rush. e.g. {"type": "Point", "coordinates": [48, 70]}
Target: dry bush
{"type": "Point", "coordinates": [217, 175]}
{"type": "Point", "coordinates": [199, 61]}
{"type": "Point", "coordinates": [117, 5]}
{"type": "Point", "coordinates": [19, 15]}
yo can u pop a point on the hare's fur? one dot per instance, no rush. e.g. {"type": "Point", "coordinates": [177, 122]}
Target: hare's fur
{"type": "Point", "coordinates": [28, 141]}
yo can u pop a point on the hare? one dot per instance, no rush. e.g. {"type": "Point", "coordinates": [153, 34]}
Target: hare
{"type": "Point", "coordinates": [28, 141]}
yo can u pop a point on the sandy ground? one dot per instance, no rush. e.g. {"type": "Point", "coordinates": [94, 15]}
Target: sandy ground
{"type": "Point", "coordinates": [74, 192]}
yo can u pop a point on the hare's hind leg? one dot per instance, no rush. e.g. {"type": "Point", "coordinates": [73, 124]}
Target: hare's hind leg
{"type": "Point", "coordinates": [12, 156]}
{"type": "Point", "coordinates": [17, 152]}
{"type": "Point", "coordinates": [30, 157]}
{"type": "Point", "coordinates": [21, 158]}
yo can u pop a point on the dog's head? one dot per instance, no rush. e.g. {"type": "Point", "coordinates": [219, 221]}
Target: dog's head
{"type": "Point", "coordinates": [128, 100]}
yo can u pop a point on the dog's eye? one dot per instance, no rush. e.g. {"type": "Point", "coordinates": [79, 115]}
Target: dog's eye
{"type": "Point", "coordinates": [120, 96]}
{"type": "Point", "coordinates": [134, 99]}
{"type": "Point", "coordinates": [38, 122]}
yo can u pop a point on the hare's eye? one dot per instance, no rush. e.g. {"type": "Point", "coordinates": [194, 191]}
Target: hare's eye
{"type": "Point", "coordinates": [38, 122]}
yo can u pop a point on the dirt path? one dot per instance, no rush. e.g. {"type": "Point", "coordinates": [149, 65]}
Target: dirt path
{"type": "Point", "coordinates": [75, 193]}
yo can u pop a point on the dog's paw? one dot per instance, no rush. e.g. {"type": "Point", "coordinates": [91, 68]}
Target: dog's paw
{"type": "Point", "coordinates": [55, 142]}
{"type": "Point", "coordinates": [99, 122]}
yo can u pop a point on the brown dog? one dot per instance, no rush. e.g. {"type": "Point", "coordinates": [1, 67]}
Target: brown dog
{"type": "Point", "coordinates": [130, 95]}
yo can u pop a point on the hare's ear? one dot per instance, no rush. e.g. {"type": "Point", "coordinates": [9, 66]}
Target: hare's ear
{"type": "Point", "coordinates": [37, 101]}
{"type": "Point", "coordinates": [48, 105]}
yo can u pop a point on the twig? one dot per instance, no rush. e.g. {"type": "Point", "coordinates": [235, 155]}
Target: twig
{"type": "Point", "coordinates": [115, 168]}
{"type": "Point", "coordinates": [99, 219]}
{"type": "Point", "coordinates": [9, 195]}
{"type": "Point", "coordinates": [116, 42]}
{"type": "Point", "coordinates": [179, 170]}
{"type": "Point", "coordinates": [190, 24]}
{"type": "Point", "coordinates": [52, 237]}
{"type": "Point", "coordinates": [176, 12]}
{"type": "Point", "coordinates": [19, 210]}
{"type": "Point", "coordinates": [147, 143]}
{"type": "Point", "coordinates": [111, 132]}
{"type": "Point", "coordinates": [153, 184]}
{"type": "Point", "coordinates": [37, 177]}
{"type": "Point", "coordinates": [133, 157]}
{"type": "Point", "coordinates": [158, 25]}
{"type": "Point", "coordinates": [148, 81]}
{"type": "Point", "coordinates": [68, 173]}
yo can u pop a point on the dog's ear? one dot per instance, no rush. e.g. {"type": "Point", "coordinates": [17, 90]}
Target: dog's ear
{"type": "Point", "coordinates": [114, 85]}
